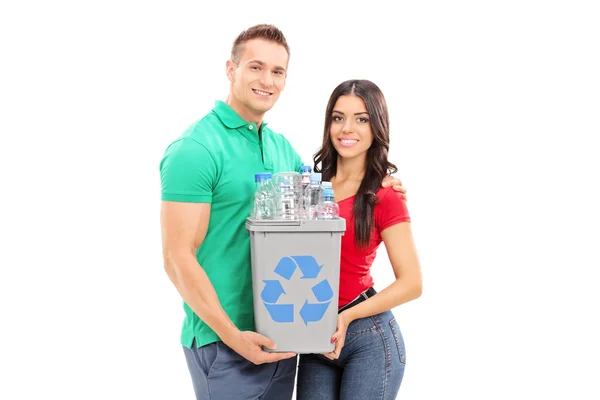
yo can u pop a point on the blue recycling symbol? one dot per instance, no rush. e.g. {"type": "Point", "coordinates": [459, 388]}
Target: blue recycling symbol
{"type": "Point", "coordinates": [310, 311]}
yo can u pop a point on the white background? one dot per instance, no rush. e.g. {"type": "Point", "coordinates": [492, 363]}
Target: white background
{"type": "Point", "coordinates": [494, 107]}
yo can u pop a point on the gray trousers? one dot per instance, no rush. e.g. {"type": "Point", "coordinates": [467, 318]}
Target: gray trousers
{"type": "Point", "coordinates": [219, 373]}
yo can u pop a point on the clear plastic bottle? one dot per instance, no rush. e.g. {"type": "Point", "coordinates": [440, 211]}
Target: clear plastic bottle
{"type": "Point", "coordinates": [315, 196]}
{"type": "Point", "coordinates": [305, 170]}
{"type": "Point", "coordinates": [324, 186]}
{"type": "Point", "coordinates": [288, 181]}
{"type": "Point", "coordinates": [329, 209]}
{"type": "Point", "coordinates": [264, 201]}
{"type": "Point", "coordinates": [287, 200]}
{"type": "Point", "coordinates": [254, 210]}
{"type": "Point", "coordinates": [271, 195]}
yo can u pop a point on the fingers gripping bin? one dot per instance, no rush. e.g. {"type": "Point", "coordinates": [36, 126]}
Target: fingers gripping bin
{"type": "Point", "coordinates": [295, 279]}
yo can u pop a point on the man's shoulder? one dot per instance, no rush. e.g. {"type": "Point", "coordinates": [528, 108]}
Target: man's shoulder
{"type": "Point", "coordinates": [191, 139]}
{"type": "Point", "coordinates": [204, 127]}
{"type": "Point", "coordinates": [204, 132]}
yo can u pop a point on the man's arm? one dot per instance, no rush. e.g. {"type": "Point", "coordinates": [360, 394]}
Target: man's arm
{"type": "Point", "coordinates": [184, 227]}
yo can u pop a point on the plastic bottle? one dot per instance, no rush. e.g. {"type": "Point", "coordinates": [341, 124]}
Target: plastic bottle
{"type": "Point", "coordinates": [264, 203]}
{"type": "Point", "coordinates": [324, 185]}
{"type": "Point", "coordinates": [315, 196]}
{"type": "Point", "coordinates": [287, 200]}
{"type": "Point", "coordinates": [329, 209]}
{"type": "Point", "coordinates": [288, 181]}
{"type": "Point", "coordinates": [305, 170]}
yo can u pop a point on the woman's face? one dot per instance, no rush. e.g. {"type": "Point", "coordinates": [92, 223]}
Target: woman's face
{"type": "Point", "coordinates": [350, 129]}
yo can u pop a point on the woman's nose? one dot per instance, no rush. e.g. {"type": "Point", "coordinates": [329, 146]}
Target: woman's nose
{"type": "Point", "coordinates": [348, 126]}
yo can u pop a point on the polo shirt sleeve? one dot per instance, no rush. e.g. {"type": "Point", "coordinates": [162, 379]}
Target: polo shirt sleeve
{"type": "Point", "coordinates": [298, 161]}
{"type": "Point", "coordinates": [391, 210]}
{"type": "Point", "coordinates": [188, 172]}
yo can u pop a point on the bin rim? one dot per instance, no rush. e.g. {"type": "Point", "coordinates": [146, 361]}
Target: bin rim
{"type": "Point", "coordinates": [335, 225]}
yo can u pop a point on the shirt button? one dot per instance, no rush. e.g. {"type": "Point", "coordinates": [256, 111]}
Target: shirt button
{"type": "Point", "coordinates": [250, 127]}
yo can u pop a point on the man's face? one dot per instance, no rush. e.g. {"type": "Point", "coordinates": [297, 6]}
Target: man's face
{"type": "Point", "coordinates": [258, 79]}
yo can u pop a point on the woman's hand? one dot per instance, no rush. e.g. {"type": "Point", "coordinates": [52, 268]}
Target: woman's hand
{"type": "Point", "coordinates": [339, 337]}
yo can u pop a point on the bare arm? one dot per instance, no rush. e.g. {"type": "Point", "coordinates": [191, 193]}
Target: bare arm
{"type": "Point", "coordinates": [184, 227]}
{"type": "Point", "coordinates": [403, 256]}
{"type": "Point", "coordinates": [407, 286]}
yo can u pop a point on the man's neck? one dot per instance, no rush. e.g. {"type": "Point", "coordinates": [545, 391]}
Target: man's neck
{"type": "Point", "coordinates": [243, 111]}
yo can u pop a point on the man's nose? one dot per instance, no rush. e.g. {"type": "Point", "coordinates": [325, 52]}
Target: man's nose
{"type": "Point", "coordinates": [266, 79]}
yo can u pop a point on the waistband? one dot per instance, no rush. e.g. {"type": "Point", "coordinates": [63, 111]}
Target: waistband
{"type": "Point", "coordinates": [370, 292]}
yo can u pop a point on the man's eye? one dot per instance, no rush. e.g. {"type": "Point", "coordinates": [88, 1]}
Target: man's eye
{"type": "Point", "coordinates": [254, 68]}
{"type": "Point", "coordinates": [278, 72]}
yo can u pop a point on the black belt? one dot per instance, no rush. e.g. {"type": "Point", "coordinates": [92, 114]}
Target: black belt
{"type": "Point", "coordinates": [370, 292]}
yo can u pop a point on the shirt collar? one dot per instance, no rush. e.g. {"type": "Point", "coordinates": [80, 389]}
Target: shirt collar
{"type": "Point", "coordinates": [230, 118]}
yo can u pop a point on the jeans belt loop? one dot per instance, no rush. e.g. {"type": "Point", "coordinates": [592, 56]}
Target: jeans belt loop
{"type": "Point", "coordinates": [370, 292]}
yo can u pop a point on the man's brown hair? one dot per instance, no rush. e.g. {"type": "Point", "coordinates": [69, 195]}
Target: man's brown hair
{"type": "Point", "coordinates": [262, 31]}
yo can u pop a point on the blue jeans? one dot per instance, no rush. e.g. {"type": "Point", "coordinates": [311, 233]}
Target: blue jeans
{"type": "Point", "coordinates": [220, 373]}
{"type": "Point", "coordinates": [370, 366]}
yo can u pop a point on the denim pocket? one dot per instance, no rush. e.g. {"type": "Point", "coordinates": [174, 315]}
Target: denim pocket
{"type": "Point", "coordinates": [207, 357]}
{"type": "Point", "coordinates": [361, 326]}
{"type": "Point", "coordinates": [399, 341]}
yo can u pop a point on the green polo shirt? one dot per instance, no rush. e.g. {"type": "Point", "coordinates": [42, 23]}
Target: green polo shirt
{"type": "Point", "coordinates": [214, 161]}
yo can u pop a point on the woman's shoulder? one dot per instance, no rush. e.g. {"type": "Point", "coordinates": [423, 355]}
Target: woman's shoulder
{"type": "Point", "coordinates": [390, 206]}
{"type": "Point", "coordinates": [386, 194]}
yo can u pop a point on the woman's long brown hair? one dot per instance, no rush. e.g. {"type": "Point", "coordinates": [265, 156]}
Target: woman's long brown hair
{"type": "Point", "coordinates": [377, 166]}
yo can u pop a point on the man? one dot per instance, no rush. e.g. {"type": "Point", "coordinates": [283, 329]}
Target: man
{"type": "Point", "coordinates": [207, 180]}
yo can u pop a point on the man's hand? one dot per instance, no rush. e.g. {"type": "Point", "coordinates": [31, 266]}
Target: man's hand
{"type": "Point", "coordinates": [249, 344]}
{"type": "Point", "coordinates": [396, 184]}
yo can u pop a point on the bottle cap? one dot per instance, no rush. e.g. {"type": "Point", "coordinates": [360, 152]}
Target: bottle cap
{"type": "Point", "coordinates": [262, 176]}
{"type": "Point", "coordinates": [305, 168]}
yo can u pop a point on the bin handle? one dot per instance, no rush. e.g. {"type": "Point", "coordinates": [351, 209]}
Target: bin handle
{"type": "Point", "coordinates": [274, 222]}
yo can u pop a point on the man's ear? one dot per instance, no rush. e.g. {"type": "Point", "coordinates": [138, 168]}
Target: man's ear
{"type": "Point", "coordinates": [230, 70]}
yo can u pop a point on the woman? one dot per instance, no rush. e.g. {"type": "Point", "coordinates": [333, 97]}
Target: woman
{"type": "Point", "coordinates": [368, 359]}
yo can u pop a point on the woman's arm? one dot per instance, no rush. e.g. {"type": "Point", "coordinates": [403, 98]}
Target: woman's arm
{"type": "Point", "coordinates": [407, 286]}
{"type": "Point", "coordinates": [403, 256]}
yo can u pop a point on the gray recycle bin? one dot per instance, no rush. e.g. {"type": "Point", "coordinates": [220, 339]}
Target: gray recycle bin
{"type": "Point", "coordinates": [295, 279]}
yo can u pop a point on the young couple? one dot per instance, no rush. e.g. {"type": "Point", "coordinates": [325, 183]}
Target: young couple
{"type": "Point", "coordinates": [207, 183]}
